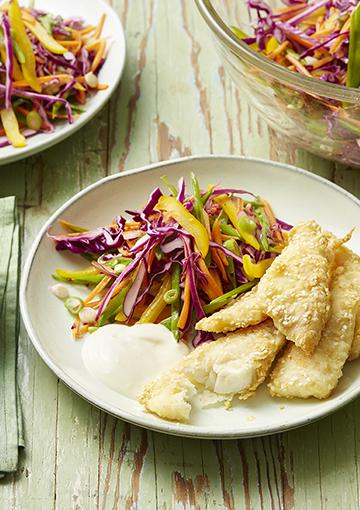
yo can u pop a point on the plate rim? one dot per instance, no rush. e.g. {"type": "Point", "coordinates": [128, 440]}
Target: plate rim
{"type": "Point", "coordinates": [57, 137]}
{"type": "Point", "coordinates": [170, 428]}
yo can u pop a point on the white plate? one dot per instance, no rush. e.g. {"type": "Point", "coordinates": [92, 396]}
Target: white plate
{"type": "Point", "coordinates": [295, 194]}
{"type": "Point", "coordinates": [110, 73]}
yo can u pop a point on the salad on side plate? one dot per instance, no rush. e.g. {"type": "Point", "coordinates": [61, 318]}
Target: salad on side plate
{"type": "Point", "coordinates": [49, 67]}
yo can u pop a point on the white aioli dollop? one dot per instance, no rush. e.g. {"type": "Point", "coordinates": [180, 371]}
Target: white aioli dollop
{"type": "Point", "coordinates": [124, 358]}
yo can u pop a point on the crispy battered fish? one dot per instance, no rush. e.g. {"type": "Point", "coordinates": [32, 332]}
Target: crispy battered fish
{"type": "Point", "coordinates": [355, 346]}
{"type": "Point", "coordinates": [298, 375]}
{"type": "Point", "coordinates": [234, 365]}
{"type": "Point", "coordinates": [244, 312]}
{"type": "Point", "coordinates": [295, 289]}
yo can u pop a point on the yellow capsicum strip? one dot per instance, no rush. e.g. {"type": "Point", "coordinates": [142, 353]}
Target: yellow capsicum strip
{"type": "Point", "coordinates": [231, 211]}
{"type": "Point", "coordinates": [45, 38]}
{"type": "Point", "coordinates": [17, 74]}
{"type": "Point", "coordinates": [11, 127]}
{"type": "Point", "coordinates": [179, 213]}
{"type": "Point", "coordinates": [29, 67]}
{"type": "Point", "coordinates": [249, 239]}
{"type": "Point", "coordinates": [156, 306]}
{"type": "Point", "coordinates": [255, 269]}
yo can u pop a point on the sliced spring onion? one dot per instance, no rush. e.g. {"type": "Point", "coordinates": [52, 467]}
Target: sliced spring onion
{"type": "Point", "coordinates": [171, 296]}
{"type": "Point", "coordinates": [74, 304]}
{"type": "Point", "coordinates": [33, 120]}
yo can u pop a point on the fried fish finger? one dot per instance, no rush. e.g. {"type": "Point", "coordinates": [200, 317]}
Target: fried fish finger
{"type": "Point", "coordinates": [355, 346]}
{"type": "Point", "coordinates": [295, 289]}
{"type": "Point", "coordinates": [298, 375]}
{"type": "Point", "coordinates": [244, 312]}
{"type": "Point", "coordinates": [234, 365]}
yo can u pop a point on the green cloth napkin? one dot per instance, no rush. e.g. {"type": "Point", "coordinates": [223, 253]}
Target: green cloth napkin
{"type": "Point", "coordinates": [11, 433]}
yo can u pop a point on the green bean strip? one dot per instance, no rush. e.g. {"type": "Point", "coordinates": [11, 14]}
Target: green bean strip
{"type": "Point", "coordinates": [167, 322]}
{"type": "Point", "coordinates": [231, 244]}
{"type": "Point", "coordinates": [198, 204]}
{"type": "Point", "coordinates": [207, 195]}
{"type": "Point", "coordinates": [223, 300]}
{"type": "Point", "coordinates": [265, 227]}
{"type": "Point", "coordinates": [171, 187]}
{"type": "Point", "coordinates": [229, 230]}
{"type": "Point", "coordinates": [114, 306]}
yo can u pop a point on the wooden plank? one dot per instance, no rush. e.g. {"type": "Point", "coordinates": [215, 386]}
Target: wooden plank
{"type": "Point", "coordinates": [174, 99]}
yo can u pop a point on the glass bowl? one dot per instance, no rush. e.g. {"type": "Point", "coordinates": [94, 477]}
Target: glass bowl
{"type": "Point", "coordinates": [318, 116]}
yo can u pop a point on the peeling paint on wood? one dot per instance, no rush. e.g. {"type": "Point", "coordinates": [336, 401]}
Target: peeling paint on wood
{"type": "Point", "coordinates": [174, 99]}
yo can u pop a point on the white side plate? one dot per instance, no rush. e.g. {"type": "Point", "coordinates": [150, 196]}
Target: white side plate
{"type": "Point", "coordinates": [295, 194]}
{"type": "Point", "coordinates": [110, 73]}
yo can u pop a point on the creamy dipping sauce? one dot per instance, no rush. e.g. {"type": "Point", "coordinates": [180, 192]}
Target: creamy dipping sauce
{"type": "Point", "coordinates": [124, 358]}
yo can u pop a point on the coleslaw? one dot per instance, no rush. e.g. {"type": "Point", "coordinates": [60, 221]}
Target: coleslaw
{"type": "Point", "coordinates": [317, 39]}
{"type": "Point", "coordinates": [48, 68]}
{"type": "Point", "coordinates": [179, 258]}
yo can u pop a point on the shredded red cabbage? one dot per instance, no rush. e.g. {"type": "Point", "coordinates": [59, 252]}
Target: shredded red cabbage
{"type": "Point", "coordinates": [157, 246]}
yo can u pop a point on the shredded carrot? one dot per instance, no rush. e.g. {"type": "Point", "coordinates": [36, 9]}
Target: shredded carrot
{"type": "Point", "coordinates": [298, 65]}
{"type": "Point", "coordinates": [75, 328]}
{"type": "Point", "coordinates": [131, 243]}
{"type": "Point", "coordinates": [218, 261]}
{"type": "Point", "coordinates": [216, 236]}
{"type": "Point", "coordinates": [138, 310]}
{"type": "Point", "coordinates": [217, 279]}
{"type": "Point", "coordinates": [300, 40]}
{"type": "Point", "coordinates": [339, 40]}
{"type": "Point", "coordinates": [69, 44]}
{"type": "Point", "coordinates": [80, 96]}
{"type": "Point", "coordinates": [77, 37]}
{"type": "Point", "coordinates": [271, 217]}
{"type": "Point", "coordinates": [93, 45]}
{"type": "Point", "coordinates": [291, 8]}
{"type": "Point", "coordinates": [279, 49]}
{"type": "Point", "coordinates": [211, 289]}
{"type": "Point", "coordinates": [100, 26]}
{"type": "Point", "coordinates": [94, 304]}
{"type": "Point", "coordinates": [269, 212]}
{"type": "Point", "coordinates": [102, 87]}
{"type": "Point", "coordinates": [98, 57]}
{"type": "Point", "coordinates": [96, 290]}
{"type": "Point", "coordinates": [186, 304]}
{"type": "Point", "coordinates": [87, 30]}
{"type": "Point", "coordinates": [322, 62]}
{"type": "Point", "coordinates": [150, 260]}
{"type": "Point", "coordinates": [22, 110]}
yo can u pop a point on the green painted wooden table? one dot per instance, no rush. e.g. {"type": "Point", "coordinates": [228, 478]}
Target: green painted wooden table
{"type": "Point", "coordinates": [174, 99]}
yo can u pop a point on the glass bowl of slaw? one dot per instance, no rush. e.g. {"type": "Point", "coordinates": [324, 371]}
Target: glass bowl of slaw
{"type": "Point", "coordinates": [319, 116]}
